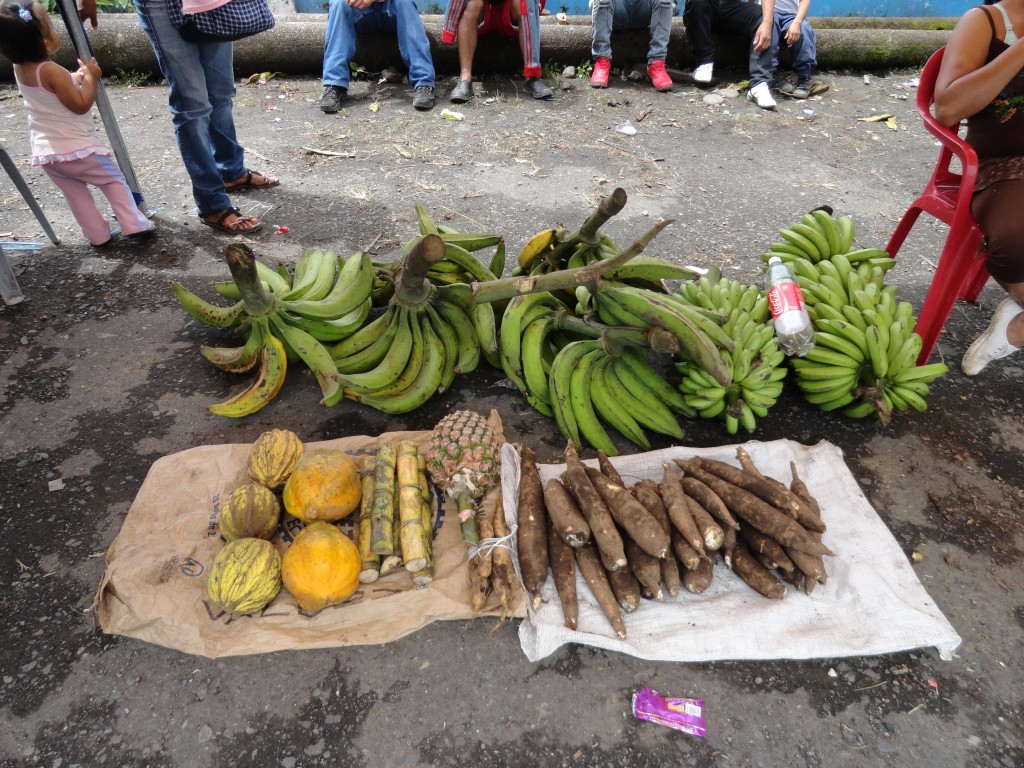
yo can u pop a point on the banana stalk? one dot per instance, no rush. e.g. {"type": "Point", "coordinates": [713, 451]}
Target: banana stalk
{"type": "Point", "coordinates": [412, 287]}
{"type": "Point", "coordinates": [616, 338]}
{"type": "Point", "coordinates": [589, 276]}
{"type": "Point", "coordinates": [588, 233]}
{"type": "Point", "coordinates": [242, 263]}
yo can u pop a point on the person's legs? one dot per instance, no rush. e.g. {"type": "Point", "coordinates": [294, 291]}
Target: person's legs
{"type": "Point", "coordinates": [339, 43]}
{"type": "Point", "coordinates": [467, 37]}
{"type": "Point", "coordinates": [805, 51]}
{"type": "Point", "coordinates": [528, 21]}
{"type": "Point", "coordinates": [602, 20]}
{"type": "Point", "coordinates": [183, 67]}
{"type": "Point", "coordinates": [79, 199]}
{"type": "Point", "coordinates": [781, 23]}
{"type": "Point", "coordinates": [413, 43]}
{"type": "Point", "coordinates": [742, 18]}
{"type": "Point", "coordinates": [698, 16]}
{"type": "Point", "coordinates": [996, 209]}
{"type": "Point", "coordinates": [102, 172]}
{"type": "Point", "coordinates": [660, 14]}
{"type": "Point", "coordinates": [218, 65]}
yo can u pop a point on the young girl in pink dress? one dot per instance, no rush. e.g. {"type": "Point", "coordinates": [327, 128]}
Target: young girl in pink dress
{"type": "Point", "coordinates": [63, 138]}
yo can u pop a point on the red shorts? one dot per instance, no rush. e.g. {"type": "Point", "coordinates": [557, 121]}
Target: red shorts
{"type": "Point", "coordinates": [498, 18]}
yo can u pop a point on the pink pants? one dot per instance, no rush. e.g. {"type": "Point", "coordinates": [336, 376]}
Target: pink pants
{"type": "Point", "coordinates": [73, 177]}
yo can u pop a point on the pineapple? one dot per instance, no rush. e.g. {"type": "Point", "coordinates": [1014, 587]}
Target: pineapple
{"type": "Point", "coordinates": [463, 459]}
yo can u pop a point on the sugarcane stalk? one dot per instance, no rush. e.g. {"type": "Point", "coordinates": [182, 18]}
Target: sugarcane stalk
{"type": "Point", "coordinates": [410, 501]}
{"type": "Point", "coordinates": [242, 262]}
{"type": "Point", "coordinates": [370, 562]}
{"type": "Point", "coordinates": [393, 562]}
{"type": "Point", "coordinates": [426, 573]}
{"type": "Point", "coordinates": [383, 510]}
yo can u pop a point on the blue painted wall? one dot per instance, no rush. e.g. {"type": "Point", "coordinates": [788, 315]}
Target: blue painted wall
{"type": "Point", "coordinates": [864, 8]}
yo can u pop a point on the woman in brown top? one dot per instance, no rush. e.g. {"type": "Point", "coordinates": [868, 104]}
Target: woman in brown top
{"type": "Point", "coordinates": [982, 80]}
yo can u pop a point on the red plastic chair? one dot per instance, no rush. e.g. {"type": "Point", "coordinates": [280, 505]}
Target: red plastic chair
{"type": "Point", "coordinates": [961, 270]}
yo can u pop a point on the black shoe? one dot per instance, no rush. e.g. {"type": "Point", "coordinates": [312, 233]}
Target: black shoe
{"type": "Point", "coordinates": [423, 97]}
{"type": "Point", "coordinates": [462, 92]}
{"type": "Point", "coordinates": [803, 87]}
{"type": "Point", "coordinates": [537, 88]}
{"type": "Point", "coordinates": [331, 99]}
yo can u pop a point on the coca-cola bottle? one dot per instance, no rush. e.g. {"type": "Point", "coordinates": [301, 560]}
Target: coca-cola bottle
{"type": "Point", "coordinates": [792, 324]}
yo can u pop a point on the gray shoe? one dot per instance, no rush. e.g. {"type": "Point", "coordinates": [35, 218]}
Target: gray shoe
{"type": "Point", "coordinates": [537, 88]}
{"type": "Point", "coordinates": [462, 92]}
{"type": "Point", "coordinates": [423, 98]}
{"type": "Point", "coordinates": [803, 87]}
{"type": "Point", "coordinates": [332, 98]}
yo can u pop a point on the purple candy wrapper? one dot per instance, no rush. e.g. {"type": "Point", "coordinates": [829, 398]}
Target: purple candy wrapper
{"type": "Point", "coordinates": [686, 715]}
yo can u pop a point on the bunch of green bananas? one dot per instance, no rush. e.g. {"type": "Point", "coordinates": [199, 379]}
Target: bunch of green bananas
{"type": "Point", "coordinates": [286, 318]}
{"type": "Point", "coordinates": [589, 386]}
{"type": "Point", "coordinates": [413, 350]}
{"type": "Point", "coordinates": [819, 236]}
{"type": "Point", "coordinates": [864, 360]}
{"type": "Point", "coordinates": [755, 360]}
{"type": "Point", "coordinates": [701, 338]}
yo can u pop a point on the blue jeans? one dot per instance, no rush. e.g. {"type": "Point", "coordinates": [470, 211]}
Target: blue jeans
{"type": "Point", "coordinates": [200, 86]}
{"type": "Point", "coordinates": [398, 16]}
{"type": "Point", "coordinates": [702, 17]}
{"type": "Point", "coordinates": [804, 51]}
{"type": "Point", "coordinates": [632, 14]}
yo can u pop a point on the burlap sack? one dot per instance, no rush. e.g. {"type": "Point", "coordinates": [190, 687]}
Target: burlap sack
{"type": "Point", "coordinates": [154, 584]}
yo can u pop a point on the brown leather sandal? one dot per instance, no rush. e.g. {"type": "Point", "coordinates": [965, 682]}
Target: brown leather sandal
{"type": "Point", "coordinates": [219, 221]}
{"type": "Point", "coordinates": [247, 182]}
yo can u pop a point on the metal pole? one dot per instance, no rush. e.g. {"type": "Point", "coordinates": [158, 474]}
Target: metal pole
{"type": "Point", "coordinates": [69, 12]}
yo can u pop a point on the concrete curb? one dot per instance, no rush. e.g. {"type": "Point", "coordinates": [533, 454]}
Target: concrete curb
{"type": "Point", "coordinates": [295, 47]}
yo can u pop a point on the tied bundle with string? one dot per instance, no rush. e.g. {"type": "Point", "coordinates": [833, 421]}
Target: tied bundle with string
{"type": "Point", "coordinates": [492, 558]}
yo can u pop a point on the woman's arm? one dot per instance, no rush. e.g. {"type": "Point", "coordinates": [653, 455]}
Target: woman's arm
{"type": "Point", "coordinates": [77, 98]}
{"type": "Point", "coordinates": [966, 84]}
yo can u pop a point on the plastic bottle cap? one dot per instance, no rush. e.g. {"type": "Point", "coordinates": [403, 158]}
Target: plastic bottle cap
{"type": "Point", "coordinates": [774, 260]}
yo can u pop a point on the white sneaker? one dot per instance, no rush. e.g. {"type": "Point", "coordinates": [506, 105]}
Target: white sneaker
{"type": "Point", "coordinates": [992, 344]}
{"type": "Point", "coordinates": [702, 74]}
{"type": "Point", "coordinates": [761, 94]}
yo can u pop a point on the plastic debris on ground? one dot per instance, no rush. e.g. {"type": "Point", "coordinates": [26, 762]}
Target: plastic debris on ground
{"type": "Point", "coordinates": [686, 715]}
{"type": "Point", "coordinates": [449, 114]}
{"type": "Point", "coordinates": [627, 128]}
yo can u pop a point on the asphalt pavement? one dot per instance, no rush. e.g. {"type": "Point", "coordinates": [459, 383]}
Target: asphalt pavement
{"type": "Point", "coordinates": [100, 375]}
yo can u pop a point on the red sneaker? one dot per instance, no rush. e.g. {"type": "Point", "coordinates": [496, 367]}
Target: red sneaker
{"type": "Point", "coordinates": [599, 77]}
{"type": "Point", "coordinates": [659, 77]}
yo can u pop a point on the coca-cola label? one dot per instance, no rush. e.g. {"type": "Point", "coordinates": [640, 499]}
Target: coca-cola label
{"type": "Point", "coordinates": [785, 298]}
